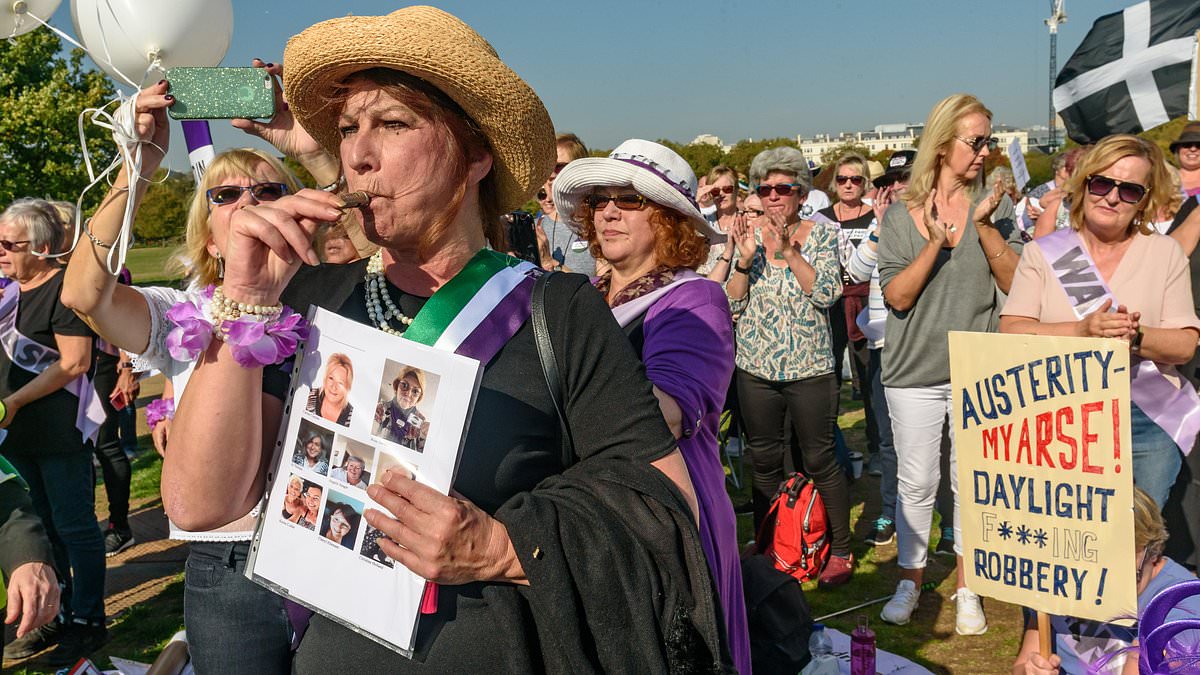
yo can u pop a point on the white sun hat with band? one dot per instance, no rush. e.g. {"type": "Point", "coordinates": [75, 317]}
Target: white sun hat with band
{"type": "Point", "coordinates": [655, 171]}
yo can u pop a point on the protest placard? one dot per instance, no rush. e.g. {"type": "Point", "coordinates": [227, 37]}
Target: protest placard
{"type": "Point", "coordinates": [1045, 478]}
{"type": "Point", "coordinates": [1017, 159]}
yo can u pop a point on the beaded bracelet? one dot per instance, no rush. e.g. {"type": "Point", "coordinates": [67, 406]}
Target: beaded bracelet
{"type": "Point", "coordinates": [257, 336]}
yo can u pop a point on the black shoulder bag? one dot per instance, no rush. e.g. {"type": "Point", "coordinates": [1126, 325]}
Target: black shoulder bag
{"type": "Point", "coordinates": [554, 383]}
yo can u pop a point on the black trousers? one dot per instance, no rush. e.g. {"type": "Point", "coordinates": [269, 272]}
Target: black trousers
{"type": "Point", "coordinates": [114, 464]}
{"type": "Point", "coordinates": [812, 405]}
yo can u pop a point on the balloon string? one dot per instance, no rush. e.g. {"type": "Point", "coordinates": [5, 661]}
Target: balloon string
{"type": "Point", "coordinates": [123, 126]}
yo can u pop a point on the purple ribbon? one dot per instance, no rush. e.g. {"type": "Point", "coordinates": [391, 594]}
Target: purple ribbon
{"type": "Point", "coordinates": [658, 172]}
{"type": "Point", "coordinates": [1175, 409]}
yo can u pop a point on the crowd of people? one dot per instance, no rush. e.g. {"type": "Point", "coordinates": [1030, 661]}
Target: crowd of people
{"type": "Point", "coordinates": [687, 298]}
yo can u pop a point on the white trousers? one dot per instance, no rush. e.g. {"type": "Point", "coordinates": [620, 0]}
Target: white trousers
{"type": "Point", "coordinates": [918, 414]}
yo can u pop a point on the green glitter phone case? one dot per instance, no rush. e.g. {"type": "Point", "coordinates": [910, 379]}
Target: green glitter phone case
{"type": "Point", "coordinates": [220, 93]}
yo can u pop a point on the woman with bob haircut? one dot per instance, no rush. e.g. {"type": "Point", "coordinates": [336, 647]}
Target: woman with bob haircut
{"type": "Point", "coordinates": [1117, 189]}
{"type": "Point", "coordinates": [635, 209]}
{"type": "Point", "coordinates": [330, 402]}
{"type": "Point", "coordinates": [785, 279]}
{"type": "Point", "coordinates": [233, 624]}
{"type": "Point", "coordinates": [943, 252]}
{"type": "Point", "coordinates": [424, 117]}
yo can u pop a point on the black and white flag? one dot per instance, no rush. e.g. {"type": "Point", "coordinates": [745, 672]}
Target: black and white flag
{"type": "Point", "coordinates": [1132, 72]}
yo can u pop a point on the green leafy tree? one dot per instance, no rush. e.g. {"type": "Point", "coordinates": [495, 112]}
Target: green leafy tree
{"type": "Point", "coordinates": [740, 155]}
{"type": "Point", "coordinates": [162, 215]}
{"type": "Point", "coordinates": [700, 156]}
{"type": "Point", "coordinates": [41, 96]}
{"type": "Point", "coordinates": [831, 155]}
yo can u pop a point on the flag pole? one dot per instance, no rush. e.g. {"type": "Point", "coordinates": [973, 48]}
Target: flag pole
{"type": "Point", "coordinates": [1194, 88]}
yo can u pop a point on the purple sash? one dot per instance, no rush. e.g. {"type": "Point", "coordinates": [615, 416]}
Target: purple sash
{"type": "Point", "coordinates": [35, 357]}
{"type": "Point", "coordinates": [627, 312]}
{"type": "Point", "coordinates": [1175, 410]}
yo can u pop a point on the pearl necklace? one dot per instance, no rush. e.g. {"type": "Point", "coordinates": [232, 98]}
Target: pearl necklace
{"type": "Point", "coordinates": [380, 307]}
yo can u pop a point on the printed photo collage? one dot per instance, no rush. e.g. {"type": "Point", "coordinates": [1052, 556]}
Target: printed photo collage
{"type": "Point", "coordinates": [355, 426]}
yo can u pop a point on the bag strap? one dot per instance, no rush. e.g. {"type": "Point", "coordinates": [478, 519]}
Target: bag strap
{"type": "Point", "coordinates": [554, 383]}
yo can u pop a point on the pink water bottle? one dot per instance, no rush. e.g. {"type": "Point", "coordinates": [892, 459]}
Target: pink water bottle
{"type": "Point", "coordinates": [862, 649]}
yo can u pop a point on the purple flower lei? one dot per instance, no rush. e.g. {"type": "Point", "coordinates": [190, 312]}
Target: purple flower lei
{"type": "Point", "coordinates": [158, 410]}
{"type": "Point", "coordinates": [252, 341]}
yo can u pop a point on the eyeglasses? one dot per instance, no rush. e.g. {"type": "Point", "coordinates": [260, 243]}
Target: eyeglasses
{"type": "Point", "coordinates": [1130, 193]}
{"type": "Point", "coordinates": [856, 180]}
{"type": "Point", "coordinates": [12, 245]}
{"type": "Point", "coordinates": [724, 189]}
{"type": "Point", "coordinates": [752, 213]}
{"type": "Point", "coordinates": [625, 202]}
{"type": "Point", "coordinates": [977, 143]}
{"type": "Point", "coordinates": [405, 387]}
{"type": "Point", "coordinates": [782, 189]}
{"type": "Point", "coordinates": [263, 192]}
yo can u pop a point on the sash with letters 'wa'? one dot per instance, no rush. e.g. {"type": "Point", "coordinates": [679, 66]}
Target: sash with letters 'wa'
{"type": "Point", "coordinates": [35, 357]}
{"type": "Point", "coordinates": [1175, 409]}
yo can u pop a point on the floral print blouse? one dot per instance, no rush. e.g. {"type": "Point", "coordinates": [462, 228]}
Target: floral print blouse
{"type": "Point", "coordinates": [782, 332]}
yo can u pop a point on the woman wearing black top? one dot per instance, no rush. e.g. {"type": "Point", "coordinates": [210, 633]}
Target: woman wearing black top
{"type": "Point", "coordinates": [426, 118]}
{"type": "Point", "coordinates": [47, 352]}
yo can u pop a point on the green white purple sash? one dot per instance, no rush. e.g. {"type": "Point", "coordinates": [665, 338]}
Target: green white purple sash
{"type": "Point", "coordinates": [480, 309]}
{"type": "Point", "coordinates": [35, 357]}
{"type": "Point", "coordinates": [1176, 410]}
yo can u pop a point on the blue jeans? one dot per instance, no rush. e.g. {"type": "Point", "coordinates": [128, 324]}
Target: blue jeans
{"type": "Point", "coordinates": [63, 491]}
{"type": "Point", "coordinates": [887, 448]}
{"type": "Point", "coordinates": [1156, 458]}
{"type": "Point", "coordinates": [233, 624]}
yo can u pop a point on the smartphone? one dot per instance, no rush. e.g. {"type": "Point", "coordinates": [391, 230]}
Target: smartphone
{"type": "Point", "coordinates": [220, 93]}
{"type": "Point", "coordinates": [118, 400]}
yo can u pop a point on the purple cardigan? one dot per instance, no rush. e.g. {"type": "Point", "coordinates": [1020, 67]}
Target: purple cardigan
{"type": "Point", "coordinates": [688, 354]}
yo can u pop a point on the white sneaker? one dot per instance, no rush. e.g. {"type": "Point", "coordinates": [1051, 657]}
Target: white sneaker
{"type": "Point", "coordinates": [968, 615]}
{"type": "Point", "coordinates": [899, 609]}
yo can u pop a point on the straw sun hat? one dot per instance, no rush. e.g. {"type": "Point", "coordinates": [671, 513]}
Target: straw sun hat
{"type": "Point", "coordinates": [445, 52]}
{"type": "Point", "coordinates": [655, 171]}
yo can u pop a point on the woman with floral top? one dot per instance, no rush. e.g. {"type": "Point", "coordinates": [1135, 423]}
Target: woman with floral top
{"type": "Point", "coordinates": [786, 276]}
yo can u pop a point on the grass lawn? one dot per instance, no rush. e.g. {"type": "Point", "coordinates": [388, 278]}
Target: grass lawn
{"type": "Point", "coordinates": [149, 265]}
{"type": "Point", "coordinates": [929, 639]}
{"type": "Point", "coordinates": [142, 631]}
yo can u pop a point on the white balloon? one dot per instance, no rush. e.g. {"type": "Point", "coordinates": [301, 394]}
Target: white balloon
{"type": "Point", "coordinates": [14, 15]}
{"type": "Point", "coordinates": [126, 36]}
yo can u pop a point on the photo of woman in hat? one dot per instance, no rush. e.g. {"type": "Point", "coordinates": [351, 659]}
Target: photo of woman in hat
{"type": "Point", "coordinates": [423, 116]}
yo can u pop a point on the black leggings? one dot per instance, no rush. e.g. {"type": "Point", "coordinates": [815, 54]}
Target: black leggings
{"type": "Point", "coordinates": [812, 405]}
{"type": "Point", "coordinates": [114, 465]}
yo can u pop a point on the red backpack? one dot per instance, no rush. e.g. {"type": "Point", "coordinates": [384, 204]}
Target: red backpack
{"type": "Point", "coordinates": [795, 533]}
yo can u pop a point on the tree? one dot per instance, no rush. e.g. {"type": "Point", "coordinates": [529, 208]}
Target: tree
{"type": "Point", "coordinates": [702, 157]}
{"type": "Point", "coordinates": [41, 96]}
{"type": "Point", "coordinates": [740, 155]}
{"type": "Point", "coordinates": [833, 154]}
{"type": "Point", "coordinates": [162, 215]}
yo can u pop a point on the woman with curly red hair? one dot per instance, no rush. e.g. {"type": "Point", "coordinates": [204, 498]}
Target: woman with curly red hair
{"type": "Point", "coordinates": [637, 210]}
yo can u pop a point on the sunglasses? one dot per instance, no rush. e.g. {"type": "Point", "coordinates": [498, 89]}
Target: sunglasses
{"type": "Point", "coordinates": [541, 195]}
{"type": "Point", "coordinates": [407, 388]}
{"type": "Point", "coordinates": [12, 245]}
{"type": "Point", "coordinates": [263, 192]}
{"type": "Point", "coordinates": [1130, 193]}
{"type": "Point", "coordinates": [558, 167]}
{"type": "Point", "coordinates": [625, 202]}
{"type": "Point", "coordinates": [752, 213]}
{"type": "Point", "coordinates": [978, 143]}
{"type": "Point", "coordinates": [1193, 145]}
{"type": "Point", "coordinates": [724, 189]}
{"type": "Point", "coordinates": [782, 189]}
{"type": "Point", "coordinates": [856, 180]}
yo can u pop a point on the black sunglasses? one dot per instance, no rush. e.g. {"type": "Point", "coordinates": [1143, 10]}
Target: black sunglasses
{"type": "Point", "coordinates": [1130, 193]}
{"type": "Point", "coordinates": [856, 180]}
{"type": "Point", "coordinates": [752, 213]}
{"type": "Point", "coordinates": [541, 194]}
{"type": "Point", "coordinates": [979, 142]}
{"type": "Point", "coordinates": [625, 202]}
{"type": "Point", "coordinates": [263, 192]}
{"type": "Point", "coordinates": [1191, 145]}
{"type": "Point", "coordinates": [12, 245]}
{"type": "Point", "coordinates": [726, 189]}
{"type": "Point", "coordinates": [783, 189]}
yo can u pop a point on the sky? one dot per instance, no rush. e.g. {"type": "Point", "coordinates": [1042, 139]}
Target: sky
{"type": "Point", "coordinates": [654, 69]}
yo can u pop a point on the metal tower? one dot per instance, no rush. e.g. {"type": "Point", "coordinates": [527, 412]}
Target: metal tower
{"type": "Point", "coordinates": [1057, 16]}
